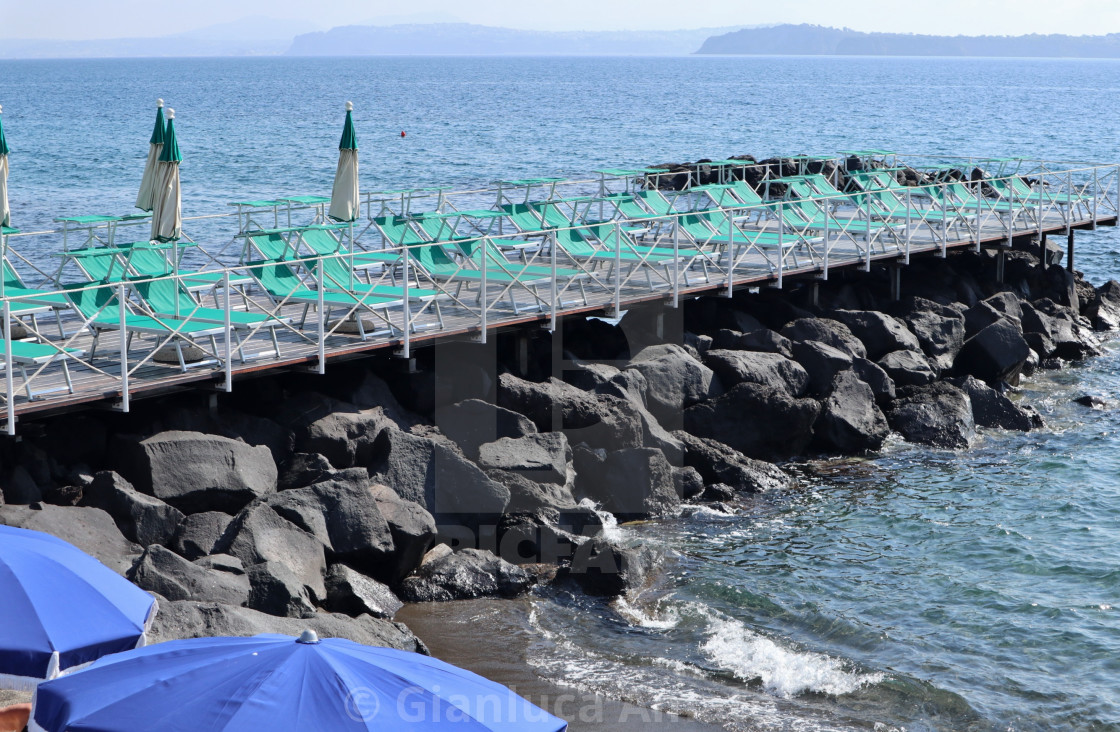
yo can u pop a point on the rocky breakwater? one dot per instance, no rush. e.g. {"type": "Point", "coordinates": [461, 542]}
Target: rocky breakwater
{"type": "Point", "coordinates": [299, 500]}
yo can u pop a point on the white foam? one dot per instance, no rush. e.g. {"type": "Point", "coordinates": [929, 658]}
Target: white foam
{"type": "Point", "coordinates": [783, 673]}
{"type": "Point", "coordinates": [610, 523]}
{"type": "Point", "coordinates": [666, 617]}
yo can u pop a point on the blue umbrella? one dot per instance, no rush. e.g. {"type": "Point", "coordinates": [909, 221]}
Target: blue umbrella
{"type": "Point", "coordinates": [276, 682]}
{"type": "Point", "coordinates": [60, 608]}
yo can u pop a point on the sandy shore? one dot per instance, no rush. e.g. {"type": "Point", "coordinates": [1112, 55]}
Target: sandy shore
{"type": "Point", "coordinates": [491, 638]}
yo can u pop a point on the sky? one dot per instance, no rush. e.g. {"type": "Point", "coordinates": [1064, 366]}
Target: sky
{"type": "Point", "coordinates": [93, 19]}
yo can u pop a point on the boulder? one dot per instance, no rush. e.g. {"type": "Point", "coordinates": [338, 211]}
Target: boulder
{"type": "Point", "coordinates": [908, 368]}
{"type": "Point", "coordinates": [195, 472]}
{"type": "Point", "coordinates": [165, 573]}
{"type": "Point", "coordinates": [821, 361]}
{"type": "Point", "coordinates": [771, 369]}
{"type": "Point", "coordinates": [939, 329]}
{"type": "Point", "coordinates": [302, 469]}
{"type": "Point", "coordinates": [718, 463]}
{"type": "Point", "coordinates": [1071, 334]}
{"type": "Point", "coordinates": [464, 575]}
{"type": "Point", "coordinates": [141, 518]}
{"type": "Point", "coordinates": [199, 533]}
{"type": "Point", "coordinates": [599, 420]}
{"type": "Point", "coordinates": [688, 481]}
{"type": "Point", "coordinates": [606, 569]}
{"type": "Point", "coordinates": [473, 422]}
{"type": "Point", "coordinates": [1092, 401]}
{"type": "Point", "coordinates": [880, 333]}
{"type": "Point", "coordinates": [850, 422]}
{"type": "Point", "coordinates": [872, 374]}
{"type": "Point", "coordinates": [758, 421]}
{"type": "Point", "coordinates": [345, 438]}
{"type": "Point", "coordinates": [259, 534]}
{"type": "Point", "coordinates": [539, 538]}
{"type": "Point", "coordinates": [674, 380]}
{"type": "Point", "coordinates": [19, 488]}
{"type": "Point", "coordinates": [412, 528]}
{"type": "Point", "coordinates": [542, 458]}
{"type": "Point", "coordinates": [276, 590]}
{"type": "Point", "coordinates": [189, 619]}
{"type": "Point", "coordinates": [431, 473]}
{"type": "Point", "coordinates": [354, 593]}
{"type": "Point", "coordinates": [763, 340]}
{"type": "Point", "coordinates": [1006, 304]}
{"type": "Point", "coordinates": [825, 330]}
{"type": "Point", "coordinates": [634, 483]}
{"type": "Point", "coordinates": [527, 495]}
{"type": "Point", "coordinates": [1103, 309]}
{"type": "Point", "coordinates": [996, 353]}
{"type": "Point", "coordinates": [978, 317]}
{"type": "Point", "coordinates": [630, 386]}
{"type": "Point", "coordinates": [90, 529]}
{"type": "Point", "coordinates": [990, 408]}
{"type": "Point", "coordinates": [343, 516]}
{"type": "Point", "coordinates": [939, 415]}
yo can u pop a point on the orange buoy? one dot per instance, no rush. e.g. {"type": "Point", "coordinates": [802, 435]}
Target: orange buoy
{"type": "Point", "coordinates": [402, 133]}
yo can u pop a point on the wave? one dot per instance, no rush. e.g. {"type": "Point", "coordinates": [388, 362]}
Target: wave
{"type": "Point", "coordinates": [784, 673]}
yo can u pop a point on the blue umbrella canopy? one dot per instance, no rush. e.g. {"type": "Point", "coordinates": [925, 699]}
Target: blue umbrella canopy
{"type": "Point", "coordinates": [61, 608]}
{"type": "Point", "coordinates": [276, 682]}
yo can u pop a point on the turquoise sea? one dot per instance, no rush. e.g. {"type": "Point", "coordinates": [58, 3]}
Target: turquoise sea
{"type": "Point", "coordinates": [919, 590]}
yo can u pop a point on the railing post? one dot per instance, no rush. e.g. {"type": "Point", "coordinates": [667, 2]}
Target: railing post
{"type": "Point", "coordinates": [320, 280]}
{"type": "Point", "coordinates": [782, 239]}
{"type": "Point", "coordinates": [1096, 185]}
{"type": "Point", "coordinates": [551, 239]}
{"type": "Point", "coordinates": [482, 294]}
{"type": "Point", "coordinates": [676, 267]}
{"type": "Point", "coordinates": [406, 308]}
{"type": "Point", "coordinates": [730, 252]}
{"type": "Point", "coordinates": [9, 377]}
{"type": "Point", "coordinates": [1069, 191]}
{"type": "Point", "coordinates": [122, 320]}
{"type": "Point", "coordinates": [827, 222]}
{"type": "Point", "coordinates": [228, 386]}
{"type": "Point", "coordinates": [867, 254]}
{"type": "Point", "coordinates": [979, 215]}
{"type": "Point", "coordinates": [1011, 205]}
{"type": "Point", "coordinates": [618, 265]}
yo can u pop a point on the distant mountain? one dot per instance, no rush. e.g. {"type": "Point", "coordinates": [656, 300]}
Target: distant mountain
{"type": "Point", "coordinates": [466, 39]}
{"type": "Point", "coordinates": [815, 40]}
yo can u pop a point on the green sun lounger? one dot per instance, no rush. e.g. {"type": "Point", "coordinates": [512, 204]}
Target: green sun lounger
{"type": "Point", "coordinates": [36, 354]}
{"type": "Point", "coordinates": [100, 307]}
{"type": "Point", "coordinates": [26, 301]}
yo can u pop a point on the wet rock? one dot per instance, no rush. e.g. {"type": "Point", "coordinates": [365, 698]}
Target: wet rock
{"type": "Point", "coordinates": [758, 421]}
{"type": "Point", "coordinates": [821, 361]}
{"type": "Point", "coordinates": [674, 380]}
{"type": "Point", "coordinates": [195, 472]}
{"type": "Point", "coordinates": [825, 330]}
{"type": "Point", "coordinates": [90, 529]}
{"type": "Point", "coordinates": [354, 593]}
{"type": "Point", "coordinates": [199, 533]}
{"type": "Point", "coordinates": [880, 333]}
{"type": "Point", "coordinates": [720, 492]}
{"type": "Point", "coordinates": [1072, 335]}
{"type": "Point", "coordinates": [141, 518]}
{"type": "Point", "coordinates": [872, 374]}
{"type": "Point", "coordinates": [940, 331]}
{"type": "Point", "coordinates": [993, 409]}
{"type": "Point", "coordinates": [996, 353]}
{"type": "Point", "coordinates": [431, 473]}
{"type": "Point", "coordinates": [762, 340]}
{"type": "Point", "coordinates": [1103, 309]}
{"type": "Point", "coordinates": [167, 574]}
{"type": "Point", "coordinates": [463, 575]}
{"type": "Point", "coordinates": [634, 483]}
{"type": "Point", "coordinates": [771, 369]}
{"type": "Point", "coordinates": [1092, 401]}
{"type": "Point", "coordinates": [412, 528]}
{"type": "Point", "coordinates": [599, 420]}
{"type": "Point", "coordinates": [603, 568]}
{"type": "Point", "coordinates": [939, 415]}
{"type": "Point", "coordinates": [188, 619]}
{"type": "Point", "coordinates": [850, 421]}
{"type": "Point", "coordinates": [259, 535]}
{"type": "Point", "coordinates": [718, 463]}
{"type": "Point", "coordinates": [688, 482]}
{"type": "Point", "coordinates": [473, 423]}
{"type": "Point", "coordinates": [542, 458]}
{"type": "Point", "coordinates": [908, 368]}
{"type": "Point", "coordinates": [541, 537]}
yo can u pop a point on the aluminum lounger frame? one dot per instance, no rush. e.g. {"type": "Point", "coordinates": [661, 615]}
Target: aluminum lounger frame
{"type": "Point", "coordinates": [39, 354]}
{"type": "Point", "coordinates": [31, 302]}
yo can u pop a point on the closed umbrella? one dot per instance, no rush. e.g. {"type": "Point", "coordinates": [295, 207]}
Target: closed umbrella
{"type": "Point", "coordinates": [5, 212]}
{"type": "Point", "coordinates": [144, 199]}
{"type": "Point", "coordinates": [344, 197]}
{"type": "Point", "coordinates": [167, 215]}
{"type": "Point", "coordinates": [276, 682]}
{"type": "Point", "coordinates": [61, 608]}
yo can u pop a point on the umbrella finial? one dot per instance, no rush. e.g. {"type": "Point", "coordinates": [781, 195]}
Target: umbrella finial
{"type": "Point", "coordinates": [1, 108]}
{"type": "Point", "coordinates": [349, 106]}
{"type": "Point", "coordinates": [170, 113]}
{"type": "Point", "coordinates": [308, 637]}
{"type": "Point", "coordinates": [159, 102]}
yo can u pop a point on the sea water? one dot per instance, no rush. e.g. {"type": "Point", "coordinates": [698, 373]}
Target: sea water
{"type": "Point", "coordinates": [917, 590]}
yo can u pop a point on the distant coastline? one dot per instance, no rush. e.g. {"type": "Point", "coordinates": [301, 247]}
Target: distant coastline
{"type": "Point", "coordinates": [264, 38]}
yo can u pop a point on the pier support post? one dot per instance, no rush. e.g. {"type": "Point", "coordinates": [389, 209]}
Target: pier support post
{"type": "Point", "coordinates": [1001, 262]}
{"type": "Point", "coordinates": [816, 294]}
{"type": "Point", "coordinates": [1069, 251]}
{"type": "Point", "coordinates": [896, 282]}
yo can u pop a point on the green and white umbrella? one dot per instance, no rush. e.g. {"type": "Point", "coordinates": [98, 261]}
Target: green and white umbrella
{"type": "Point", "coordinates": [345, 202]}
{"type": "Point", "coordinates": [167, 217]}
{"type": "Point", "coordinates": [5, 212]}
{"type": "Point", "coordinates": [144, 200]}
